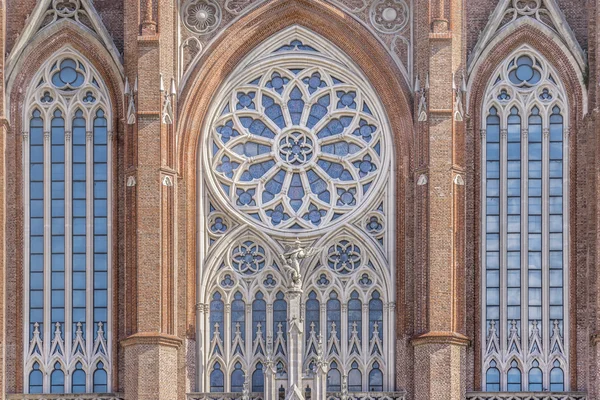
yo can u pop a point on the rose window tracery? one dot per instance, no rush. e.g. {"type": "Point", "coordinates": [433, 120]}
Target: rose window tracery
{"type": "Point", "coordinates": [296, 147]}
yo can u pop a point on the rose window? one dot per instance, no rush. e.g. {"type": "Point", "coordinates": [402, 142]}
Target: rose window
{"type": "Point", "coordinates": [296, 147]}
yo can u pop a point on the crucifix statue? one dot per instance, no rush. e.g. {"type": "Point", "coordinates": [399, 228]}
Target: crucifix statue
{"type": "Point", "coordinates": [291, 258]}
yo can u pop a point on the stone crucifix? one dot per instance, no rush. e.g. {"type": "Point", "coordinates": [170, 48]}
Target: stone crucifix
{"type": "Point", "coordinates": [291, 257]}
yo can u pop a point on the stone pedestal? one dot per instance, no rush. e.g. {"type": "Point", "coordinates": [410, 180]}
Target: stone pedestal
{"type": "Point", "coordinates": [440, 366]}
{"type": "Point", "coordinates": [151, 367]}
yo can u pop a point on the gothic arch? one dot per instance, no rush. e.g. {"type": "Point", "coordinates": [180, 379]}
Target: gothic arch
{"type": "Point", "coordinates": [351, 38]}
{"type": "Point", "coordinates": [343, 134]}
{"type": "Point", "coordinates": [69, 36]}
{"type": "Point", "coordinates": [570, 76]}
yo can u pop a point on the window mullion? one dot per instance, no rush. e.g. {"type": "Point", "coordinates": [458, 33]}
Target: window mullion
{"type": "Point", "coordinates": [545, 246]}
{"type": "Point", "coordinates": [524, 247]}
{"type": "Point", "coordinates": [47, 251]}
{"type": "Point", "coordinates": [503, 329]}
{"type": "Point", "coordinates": [89, 239]}
{"type": "Point", "coordinates": [68, 328]}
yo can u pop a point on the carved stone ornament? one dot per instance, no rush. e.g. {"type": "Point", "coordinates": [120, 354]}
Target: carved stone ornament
{"type": "Point", "coordinates": [389, 16]}
{"type": "Point", "coordinates": [201, 16]}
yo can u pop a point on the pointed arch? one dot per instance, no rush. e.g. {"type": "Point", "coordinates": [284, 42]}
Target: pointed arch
{"type": "Point", "coordinates": [524, 117]}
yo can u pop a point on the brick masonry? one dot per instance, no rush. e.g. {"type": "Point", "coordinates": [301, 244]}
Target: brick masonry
{"type": "Point", "coordinates": [438, 225]}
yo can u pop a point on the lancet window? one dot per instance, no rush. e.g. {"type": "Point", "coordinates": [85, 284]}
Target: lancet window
{"type": "Point", "coordinates": [67, 183]}
{"type": "Point", "coordinates": [525, 227]}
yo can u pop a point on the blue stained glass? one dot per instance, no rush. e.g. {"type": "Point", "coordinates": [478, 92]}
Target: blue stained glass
{"type": "Point", "coordinates": [295, 45]}
{"type": "Point", "coordinates": [535, 378]}
{"type": "Point", "coordinates": [277, 82]}
{"type": "Point", "coordinates": [100, 379]}
{"type": "Point", "coordinates": [257, 127]}
{"type": "Point", "coordinates": [258, 379]}
{"type": "Point", "coordinates": [346, 197]}
{"type": "Point", "coordinates": [314, 215]}
{"type": "Point", "coordinates": [217, 381]}
{"type": "Point", "coordinates": [313, 310]}
{"type": "Point", "coordinates": [227, 167]}
{"type": "Point", "coordinates": [227, 131]}
{"type": "Point", "coordinates": [245, 101]}
{"type": "Point", "coordinates": [273, 111]}
{"type": "Point", "coordinates": [346, 99]}
{"type": "Point", "coordinates": [375, 379]}
{"type": "Point", "coordinates": [355, 314]}
{"type": "Point", "coordinates": [246, 197]}
{"type": "Point", "coordinates": [36, 380]}
{"type": "Point", "coordinates": [237, 378]}
{"type": "Point", "coordinates": [296, 192]}
{"type": "Point", "coordinates": [259, 315]}
{"type": "Point", "coordinates": [354, 378]}
{"type": "Point", "coordinates": [492, 378]}
{"type": "Point", "coordinates": [273, 186]}
{"type": "Point", "coordinates": [251, 149]}
{"type": "Point", "coordinates": [335, 127]}
{"type": "Point", "coordinates": [318, 186]}
{"type": "Point", "coordinates": [365, 130]}
{"type": "Point", "coordinates": [335, 170]}
{"type": "Point", "coordinates": [78, 380]}
{"type": "Point", "coordinates": [217, 315]}
{"type": "Point", "coordinates": [256, 171]}
{"type": "Point", "coordinates": [376, 314]}
{"type": "Point", "coordinates": [557, 378]}
{"type": "Point", "coordinates": [238, 316]}
{"type": "Point", "coordinates": [277, 215]}
{"type": "Point", "coordinates": [314, 82]}
{"type": "Point", "coordinates": [334, 378]}
{"type": "Point", "coordinates": [318, 110]}
{"type": "Point", "coordinates": [280, 315]}
{"type": "Point", "coordinates": [57, 379]}
{"type": "Point", "coordinates": [334, 317]}
{"type": "Point", "coordinates": [296, 105]}
{"type": "Point", "coordinates": [366, 109]}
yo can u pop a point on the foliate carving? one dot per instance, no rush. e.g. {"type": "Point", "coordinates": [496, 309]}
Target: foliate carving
{"type": "Point", "coordinates": [389, 16]}
{"type": "Point", "coordinates": [201, 16]}
{"type": "Point", "coordinates": [190, 48]}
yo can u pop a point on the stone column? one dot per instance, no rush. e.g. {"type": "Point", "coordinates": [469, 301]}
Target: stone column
{"type": "Point", "coordinates": [319, 389]}
{"type": "Point", "coordinates": [295, 345]}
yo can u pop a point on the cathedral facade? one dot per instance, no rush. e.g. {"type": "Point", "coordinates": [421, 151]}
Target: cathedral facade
{"type": "Point", "coordinates": [299, 199]}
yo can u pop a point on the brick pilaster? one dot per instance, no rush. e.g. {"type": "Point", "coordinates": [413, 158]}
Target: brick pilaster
{"type": "Point", "coordinates": [440, 354]}
{"type": "Point", "coordinates": [152, 349]}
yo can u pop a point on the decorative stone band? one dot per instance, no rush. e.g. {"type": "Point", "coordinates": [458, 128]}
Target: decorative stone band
{"type": "Point", "coordinates": [73, 396]}
{"type": "Point", "coordinates": [330, 396]}
{"type": "Point", "coordinates": [366, 395]}
{"type": "Point", "coordinates": [225, 396]}
{"type": "Point", "coordinates": [526, 396]}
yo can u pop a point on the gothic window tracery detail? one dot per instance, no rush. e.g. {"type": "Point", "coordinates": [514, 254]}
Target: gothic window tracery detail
{"type": "Point", "coordinates": [525, 229]}
{"type": "Point", "coordinates": [297, 145]}
{"type": "Point", "coordinates": [67, 158]}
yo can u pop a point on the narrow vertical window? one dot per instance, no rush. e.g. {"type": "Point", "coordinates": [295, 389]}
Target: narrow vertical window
{"type": "Point", "coordinates": [100, 379]}
{"type": "Point", "coordinates": [79, 227]}
{"type": "Point", "coordinates": [100, 221]}
{"type": "Point", "coordinates": [67, 218]}
{"type": "Point", "coordinates": [36, 225]}
{"type": "Point", "coordinates": [525, 226]}
{"type": "Point", "coordinates": [258, 379]}
{"type": "Point", "coordinates": [333, 316]}
{"type": "Point", "coordinates": [217, 382]}
{"type": "Point", "coordinates": [259, 315]}
{"type": "Point", "coordinates": [513, 220]}
{"type": "Point", "coordinates": [57, 223]}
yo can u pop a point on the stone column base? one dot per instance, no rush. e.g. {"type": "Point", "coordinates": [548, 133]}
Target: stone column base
{"type": "Point", "coordinates": [440, 366]}
{"type": "Point", "coordinates": [151, 366]}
